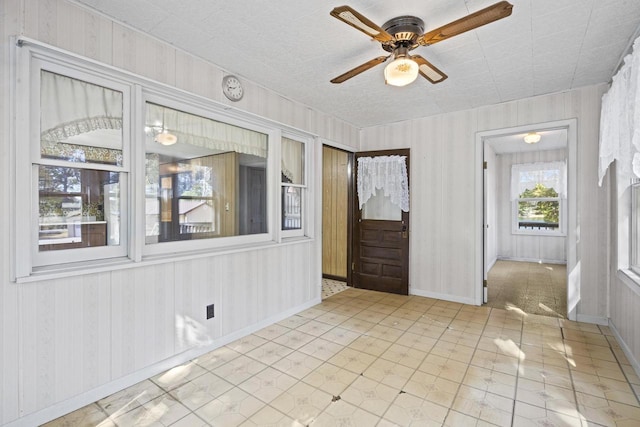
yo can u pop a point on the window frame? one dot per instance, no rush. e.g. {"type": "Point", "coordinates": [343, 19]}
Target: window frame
{"type": "Point", "coordinates": [304, 196]}
{"type": "Point", "coordinates": [562, 214]}
{"type": "Point", "coordinates": [634, 228]}
{"type": "Point", "coordinates": [29, 65]}
{"type": "Point", "coordinates": [192, 105]}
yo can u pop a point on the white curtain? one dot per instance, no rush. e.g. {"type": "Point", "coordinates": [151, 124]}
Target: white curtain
{"type": "Point", "coordinates": [388, 173]}
{"type": "Point", "coordinates": [525, 176]}
{"type": "Point", "coordinates": [70, 107]}
{"type": "Point", "coordinates": [293, 160]}
{"type": "Point", "coordinates": [620, 121]}
{"type": "Point", "coordinates": [206, 133]}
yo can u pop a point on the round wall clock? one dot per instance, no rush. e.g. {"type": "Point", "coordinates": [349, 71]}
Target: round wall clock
{"type": "Point", "coordinates": [232, 88]}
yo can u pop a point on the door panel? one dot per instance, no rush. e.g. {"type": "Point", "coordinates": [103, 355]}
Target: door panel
{"type": "Point", "coordinates": [381, 240]}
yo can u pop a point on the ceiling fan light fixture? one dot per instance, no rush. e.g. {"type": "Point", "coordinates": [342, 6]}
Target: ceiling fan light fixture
{"type": "Point", "coordinates": [401, 72]}
{"type": "Point", "coordinates": [166, 138]}
{"type": "Point", "coordinates": [532, 138]}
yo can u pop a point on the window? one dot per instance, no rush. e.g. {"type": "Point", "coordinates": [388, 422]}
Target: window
{"type": "Point", "coordinates": [293, 187]}
{"type": "Point", "coordinates": [111, 165]}
{"type": "Point", "coordinates": [537, 191]}
{"type": "Point", "coordinates": [79, 164]}
{"type": "Point", "coordinates": [203, 178]}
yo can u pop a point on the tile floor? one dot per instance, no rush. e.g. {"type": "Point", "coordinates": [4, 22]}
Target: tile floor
{"type": "Point", "coordinates": [363, 358]}
{"type": "Point", "coordinates": [535, 288]}
{"type": "Point", "coordinates": [332, 287]}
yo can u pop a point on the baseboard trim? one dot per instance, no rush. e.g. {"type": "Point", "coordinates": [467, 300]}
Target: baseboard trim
{"type": "Point", "coordinates": [59, 409]}
{"type": "Point", "coordinates": [542, 261]}
{"type": "Point", "coordinates": [625, 348]}
{"type": "Point", "coordinates": [598, 320]}
{"type": "Point", "coordinates": [332, 277]}
{"type": "Point", "coordinates": [444, 297]}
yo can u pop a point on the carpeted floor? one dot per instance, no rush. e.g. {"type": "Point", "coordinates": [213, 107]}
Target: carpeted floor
{"type": "Point", "coordinates": [534, 288]}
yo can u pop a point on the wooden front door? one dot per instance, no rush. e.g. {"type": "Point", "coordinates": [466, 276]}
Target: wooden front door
{"type": "Point", "coordinates": [380, 239]}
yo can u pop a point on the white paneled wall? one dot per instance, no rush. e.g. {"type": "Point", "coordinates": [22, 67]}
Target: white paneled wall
{"type": "Point", "coordinates": [443, 192]}
{"type": "Point", "coordinates": [9, 313]}
{"type": "Point", "coordinates": [517, 246]}
{"type": "Point", "coordinates": [69, 341]}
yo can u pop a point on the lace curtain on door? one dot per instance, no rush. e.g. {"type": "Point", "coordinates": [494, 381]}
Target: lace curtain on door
{"type": "Point", "coordinates": [388, 173]}
{"type": "Point", "coordinates": [620, 121]}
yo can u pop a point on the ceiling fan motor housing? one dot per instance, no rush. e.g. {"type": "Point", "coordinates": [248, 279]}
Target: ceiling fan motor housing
{"type": "Point", "coordinates": [405, 29]}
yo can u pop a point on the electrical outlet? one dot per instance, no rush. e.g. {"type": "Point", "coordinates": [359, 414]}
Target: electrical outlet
{"type": "Point", "coordinates": [210, 312]}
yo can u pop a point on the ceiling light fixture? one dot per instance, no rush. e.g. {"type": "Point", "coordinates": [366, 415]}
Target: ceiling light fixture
{"type": "Point", "coordinates": [402, 70]}
{"type": "Point", "coordinates": [164, 137]}
{"type": "Point", "coordinates": [532, 138]}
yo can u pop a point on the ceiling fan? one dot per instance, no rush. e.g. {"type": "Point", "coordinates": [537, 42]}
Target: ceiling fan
{"type": "Point", "coordinates": [401, 35]}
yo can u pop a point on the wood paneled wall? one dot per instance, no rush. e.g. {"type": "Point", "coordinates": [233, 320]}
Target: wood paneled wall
{"type": "Point", "coordinates": [335, 210]}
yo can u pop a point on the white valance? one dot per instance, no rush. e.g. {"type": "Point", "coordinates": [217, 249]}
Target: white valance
{"type": "Point", "coordinates": [293, 160]}
{"type": "Point", "coordinates": [206, 133]}
{"type": "Point", "coordinates": [388, 173]}
{"type": "Point", "coordinates": [620, 121]}
{"type": "Point", "coordinates": [526, 176]}
{"type": "Point", "coordinates": [71, 107]}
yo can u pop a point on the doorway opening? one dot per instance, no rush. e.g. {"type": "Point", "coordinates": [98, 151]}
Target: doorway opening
{"type": "Point", "coordinates": [528, 216]}
{"type": "Point", "coordinates": [337, 166]}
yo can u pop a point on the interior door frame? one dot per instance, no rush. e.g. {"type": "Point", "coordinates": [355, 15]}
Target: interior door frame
{"type": "Point", "coordinates": [356, 212]}
{"type": "Point", "coordinates": [573, 265]}
{"type": "Point", "coordinates": [350, 196]}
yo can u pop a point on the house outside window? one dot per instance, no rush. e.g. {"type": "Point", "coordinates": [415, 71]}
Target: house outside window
{"type": "Point", "coordinates": [539, 198]}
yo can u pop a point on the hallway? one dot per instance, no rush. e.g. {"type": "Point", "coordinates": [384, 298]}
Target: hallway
{"type": "Point", "coordinates": [534, 288]}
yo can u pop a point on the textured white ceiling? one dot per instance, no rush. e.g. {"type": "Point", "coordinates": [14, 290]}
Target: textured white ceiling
{"type": "Point", "coordinates": [294, 48]}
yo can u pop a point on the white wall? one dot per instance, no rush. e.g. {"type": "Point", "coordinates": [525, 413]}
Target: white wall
{"type": "Point", "coordinates": [443, 193]}
{"type": "Point", "coordinates": [70, 341]}
{"type": "Point", "coordinates": [517, 246]}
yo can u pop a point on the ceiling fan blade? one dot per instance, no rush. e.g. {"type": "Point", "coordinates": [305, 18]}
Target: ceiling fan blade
{"type": "Point", "coordinates": [482, 17]}
{"type": "Point", "coordinates": [428, 70]}
{"type": "Point", "coordinates": [359, 69]}
{"type": "Point", "coordinates": [359, 22]}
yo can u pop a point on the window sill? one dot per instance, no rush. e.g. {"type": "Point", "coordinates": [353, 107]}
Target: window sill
{"type": "Point", "coordinates": [630, 279]}
{"type": "Point", "coordinates": [114, 264]}
{"type": "Point", "coordinates": [539, 233]}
